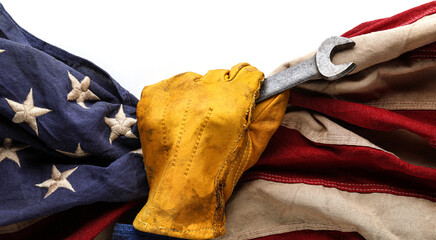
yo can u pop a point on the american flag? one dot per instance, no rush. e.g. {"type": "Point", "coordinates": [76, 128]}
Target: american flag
{"type": "Point", "coordinates": [342, 165]}
{"type": "Point", "coordinates": [68, 133]}
{"type": "Point", "coordinates": [355, 158]}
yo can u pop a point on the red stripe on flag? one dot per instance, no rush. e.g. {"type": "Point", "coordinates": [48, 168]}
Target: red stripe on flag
{"type": "Point", "coordinates": [401, 19]}
{"type": "Point", "coordinates": [349, 187]}
{"type": "Point", "coordinates": [427, 117]}
{"type": "Point", "coordinates": [363, 115]}
{"type": "Point", "coordinates": [291, 158]}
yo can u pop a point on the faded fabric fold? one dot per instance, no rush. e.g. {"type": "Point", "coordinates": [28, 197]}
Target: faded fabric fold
{"type": "Point", "coordinates": [353, 158]}
{"type": "Point", "coordinates": [356, 155]}
{"type": "Point", "coordinates": [68, 131]}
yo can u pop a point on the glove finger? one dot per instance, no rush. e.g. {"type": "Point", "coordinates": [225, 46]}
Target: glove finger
{"type": "Point", "coordinates": [214, 76]}
{"type": "Point", "coordinates": [246, 78]}
{"type": "Point", "coordinates": [235, 70]}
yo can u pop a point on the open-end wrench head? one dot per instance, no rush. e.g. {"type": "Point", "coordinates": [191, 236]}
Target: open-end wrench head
{"type": "Point", "coordinates": [328, 48]}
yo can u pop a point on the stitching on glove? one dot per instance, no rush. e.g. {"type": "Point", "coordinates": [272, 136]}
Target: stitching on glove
{"type": "Point", "coordinates": [197, 143]}
{"type": "Point", "coordinates": [243, 156]}
{"type": "Point", "coordinates": [241, 170]}
{"type": "Point", "coordinates": [179, 136]}
{"type": "Point", "coordinates": [219, 186]}
{"type": "Point", "coordinates": [164, 129]}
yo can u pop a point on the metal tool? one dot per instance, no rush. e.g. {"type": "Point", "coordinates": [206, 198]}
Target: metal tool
{"type": "Point", "coordinates": [318, 66]}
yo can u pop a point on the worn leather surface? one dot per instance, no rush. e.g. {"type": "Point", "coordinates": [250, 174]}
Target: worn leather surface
{"type": "Point", "coordinates": [199, 134]}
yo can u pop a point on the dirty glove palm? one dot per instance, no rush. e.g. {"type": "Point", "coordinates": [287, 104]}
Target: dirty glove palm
{"type": "Point", "coordinates": [199, 134]}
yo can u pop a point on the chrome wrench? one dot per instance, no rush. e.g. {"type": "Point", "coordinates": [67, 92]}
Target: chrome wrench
{"type": "Point", "coordinates": [318, 66]}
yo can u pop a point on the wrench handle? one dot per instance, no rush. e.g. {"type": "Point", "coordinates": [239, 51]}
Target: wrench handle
{"type": "Point", "coordinates": [288, 78]}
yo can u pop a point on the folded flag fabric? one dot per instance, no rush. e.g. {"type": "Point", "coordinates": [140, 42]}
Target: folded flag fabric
{"type": "Point", "coordinates": [356, 155]}
{"type": "Point", "coordinates": [126, 231]}
{"type": "Point", "coordinates": [352, 159]}
{"type": "Point", "coordinates": [68, 133]}
{"type": "Point", "coordinates": [80, 222]}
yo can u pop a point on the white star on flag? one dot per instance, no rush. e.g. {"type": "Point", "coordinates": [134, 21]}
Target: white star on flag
{"type": "Point", "coordinates": [1, 50]}
{"type": "Point", "coordinates": [76, 154]}
{"type": "Point", "coordinates": [10, 152]}
{"type": "Point", "coordinates": [27, 112]}
{"type": "Point", "coordinates": [120, 125]}
{"type": "Point", "coordinates": [137, 151]}
{"type": "Point", "coordinates": [80, 92]}
{"type": "Point", "coordinates": [57, 180]}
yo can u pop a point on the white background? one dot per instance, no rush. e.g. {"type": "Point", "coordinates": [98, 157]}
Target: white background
{"type": "Point", "coordinates": [142, 42]}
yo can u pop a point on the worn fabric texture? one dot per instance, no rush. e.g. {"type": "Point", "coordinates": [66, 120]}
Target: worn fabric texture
{"type": "Point", "coordinates": [379, 70]}
{"type": "Point", "coordinates": [357, 154]}
{"type": "Point", "coordinates": [67, 131]}
{"type": "Point", "coordinates": [80, 222]}
{"type": "Point", "coordinates": [199, 134]}
{"type": "Point", "coordinates": [302, 206]}
{"type": "Point", "coordinates": [377, 45]}
{"type": "Point", "coordinates": [353, 158]}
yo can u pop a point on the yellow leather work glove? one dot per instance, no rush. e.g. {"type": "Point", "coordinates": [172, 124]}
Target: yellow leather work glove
{"type": "Point", "coordinates": [198, 135]}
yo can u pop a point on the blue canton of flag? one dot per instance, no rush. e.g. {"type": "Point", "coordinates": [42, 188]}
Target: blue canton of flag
{"type": "Point", "coordinates": [68, 133]}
